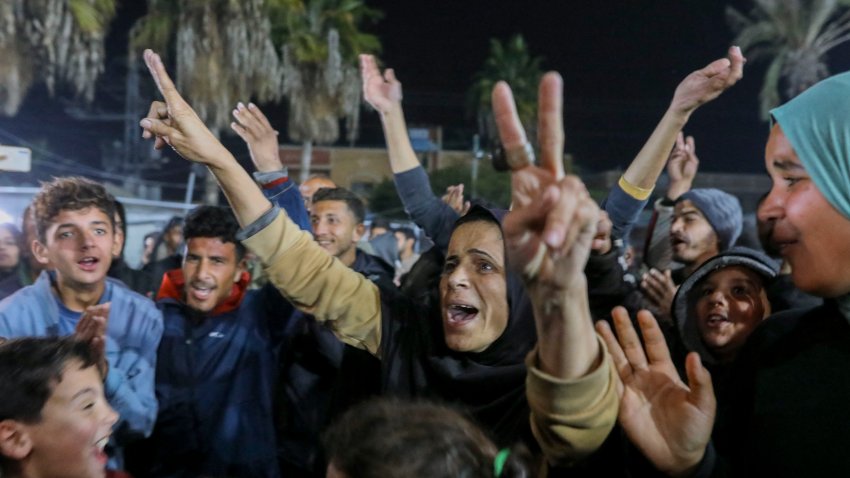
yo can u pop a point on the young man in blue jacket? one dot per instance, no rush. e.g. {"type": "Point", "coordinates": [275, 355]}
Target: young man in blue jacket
{"type": "Point", "coordinates": [76, 236]}
{"type": "Point", "coordinates": [217, 360]}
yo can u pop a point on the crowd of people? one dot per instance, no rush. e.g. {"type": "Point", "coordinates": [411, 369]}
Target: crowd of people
{"type": "Point", "coordinates": [524, 342]}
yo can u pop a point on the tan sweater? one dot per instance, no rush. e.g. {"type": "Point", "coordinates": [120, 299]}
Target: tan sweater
{"type": "Point", "coordinates": [569, 418]}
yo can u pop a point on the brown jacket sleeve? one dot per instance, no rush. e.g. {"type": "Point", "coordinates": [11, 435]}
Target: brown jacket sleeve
{"type": "Point", "coordinates": [319, 284]}
{"type": "Point", "coordinates": [571, 418]}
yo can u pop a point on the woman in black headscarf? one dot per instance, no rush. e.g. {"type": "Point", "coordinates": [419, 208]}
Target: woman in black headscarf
{"type": "Point", "coordinates": [474, 354]}
{"type": "Point", "coordinates": [472, 349]}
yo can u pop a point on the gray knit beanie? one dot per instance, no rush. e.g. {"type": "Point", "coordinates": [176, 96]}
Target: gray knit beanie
{"type": "Point", "coordinates": [722, 210]}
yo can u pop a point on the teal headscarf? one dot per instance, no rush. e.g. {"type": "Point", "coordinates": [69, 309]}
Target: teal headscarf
{"type": "Point", "coordinates": [817, 124]}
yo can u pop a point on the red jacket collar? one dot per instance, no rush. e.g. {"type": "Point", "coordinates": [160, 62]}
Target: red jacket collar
{"type": "Point", "coordinates": [173, 287]}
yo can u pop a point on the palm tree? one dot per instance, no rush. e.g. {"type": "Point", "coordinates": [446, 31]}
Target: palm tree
{"type": "Point", "coordinates": [58, 40]}
{"type": "Point", "coordinates": [320, 40]}
{"type": "Point", "coordinates": [795, 36]}
{"type": "Point", "coordinates": [223, 52]}
{"type": "Point", "coordinates": [512, 62]}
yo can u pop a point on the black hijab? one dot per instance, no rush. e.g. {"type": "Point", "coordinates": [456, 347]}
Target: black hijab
{"type": "Point", "coordinates": [489, 384]}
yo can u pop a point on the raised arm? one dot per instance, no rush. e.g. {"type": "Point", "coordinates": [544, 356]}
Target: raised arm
{"type": "Point", "coordinates": [682, 168]}
{"type": "Point", "coordinates": [434, 216]}
{"type": "Point", "coordinates": [174, 123]}
{"type": "Point", "coordinates": [261, 138]}
{"type": "Point", "coordinates": [548, 236]}
{"type": "Point", "coordinates": [383, 92]}
{"type": "Point", "coordinates": [302, 271]}
{"type": "Point", "coordinates": [640, 177]}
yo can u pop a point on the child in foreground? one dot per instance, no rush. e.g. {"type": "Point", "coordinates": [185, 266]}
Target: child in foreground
{"type": "Point", "coordinates": [54, 418]}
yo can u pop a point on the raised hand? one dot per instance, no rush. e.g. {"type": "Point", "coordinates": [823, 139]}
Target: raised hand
{"type": "Point", "coordinates": [454, 198]}
{"type": "Point", "coordinates": [682, 166]}
{"type": "Point", "coordinates": [548, 233]}
{"type": "Point", "coordinates": [659, 288]}
{"type": "Point", "coordinates": [254, 128]}
{"type": "Point", "coordinates": [668, 421]}
{"type": "Point", "coordinates": [91, 328]}
{"type": "Point", "coordinates": [383, 92]}
{"type": "Point", "coordinates": [708, 83]}
{"type": "Point", "coordinates": [175, 123]}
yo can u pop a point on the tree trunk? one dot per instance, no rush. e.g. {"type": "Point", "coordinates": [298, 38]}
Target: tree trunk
{"type": "Point", "coordinates": [306, 158]}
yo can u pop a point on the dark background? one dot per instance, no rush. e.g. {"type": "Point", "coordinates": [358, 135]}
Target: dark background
{"type": "Point", "coordinates": [620, 61]}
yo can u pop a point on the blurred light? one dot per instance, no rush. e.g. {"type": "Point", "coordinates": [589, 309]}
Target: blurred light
{"type": "Point", "coordinates": [5, 217]}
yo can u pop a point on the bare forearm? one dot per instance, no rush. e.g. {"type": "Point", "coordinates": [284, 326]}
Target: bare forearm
{"type": "Point", "coordinates": [567, 346]}
{"type": "Point", "coordinates": [402, 156]}
{"type": "Point", "coordinates": [242, 193]}
{"type": "Point", "coordinates": [644, 170]}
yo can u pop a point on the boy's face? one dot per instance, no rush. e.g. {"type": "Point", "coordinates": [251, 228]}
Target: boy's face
{"type": "Point", "coordinates": [79, 246]}
{"type": "Point", "coordinates": [731, 302]}
{"type": "Point", "coordinates": [76, 423]}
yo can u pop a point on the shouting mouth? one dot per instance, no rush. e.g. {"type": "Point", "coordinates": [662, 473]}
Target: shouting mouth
{"type": "Point", "coordinates": [201, 292]}
{"type": "Point", "coordinates": [460, 314]}
{"type": "Point", "coordinates": [88, 264]}
{"type": "Point", "coordinates": [99, 450]}
{"type": "Point", "coordinates": [676, 241]}
{"type": "Point", "coordinates": [716, 320]}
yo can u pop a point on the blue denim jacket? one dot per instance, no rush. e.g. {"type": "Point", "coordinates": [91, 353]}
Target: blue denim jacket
{"type": "Point", "coordinates": [133, 334]}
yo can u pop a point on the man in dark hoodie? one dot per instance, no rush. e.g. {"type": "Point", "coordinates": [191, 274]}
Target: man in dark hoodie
{"type": "Point", "coordinates": [218, 359]}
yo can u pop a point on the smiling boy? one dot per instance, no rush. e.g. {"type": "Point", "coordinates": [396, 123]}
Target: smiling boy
{"type": "Point", "coordinates": [75, 234]}
{"type": "Point", "coordinates": [54, 418]}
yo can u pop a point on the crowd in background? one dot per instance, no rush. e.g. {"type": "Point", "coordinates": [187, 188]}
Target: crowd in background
{"type": "Point", "coordinates": [283, 336]}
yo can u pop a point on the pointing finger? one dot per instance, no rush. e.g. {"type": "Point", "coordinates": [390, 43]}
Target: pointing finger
{"type": "Point", "coordinates": [161, 78]}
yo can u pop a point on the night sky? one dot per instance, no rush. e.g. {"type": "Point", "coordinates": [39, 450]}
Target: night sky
{"type": "Point", "coordinates": [620, 61]}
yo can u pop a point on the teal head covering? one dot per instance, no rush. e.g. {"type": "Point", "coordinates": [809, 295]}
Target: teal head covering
{"type": "Point", "coordinates": [817, 124]}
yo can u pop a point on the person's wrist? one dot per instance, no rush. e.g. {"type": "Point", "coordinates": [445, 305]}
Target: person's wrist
{"type": "Point", "coordinates": [678, 188]}
{"type": "Point", "coordinates": [392, 111]}
{"type": "Point", "coordinates": [680, 113]}
{"type": "Point", "coordinates": [688, 465]}
{"type": "Point", "coordinates": [549, 297]}
{"type": "Point", "coordinates": [267, 165]}
{"type": "Point", "coordinates": [222, 160]}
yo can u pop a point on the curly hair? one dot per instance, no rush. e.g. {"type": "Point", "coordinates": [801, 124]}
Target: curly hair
{"type": "Point", "coordinates": [69, 194]}
{"type": "Point", "coordinates": [213, 221]}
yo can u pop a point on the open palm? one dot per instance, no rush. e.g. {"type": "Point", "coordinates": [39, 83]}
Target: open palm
{"type": "Point", "coordinates": [383, 92]}
{"type": "Point", "coordinates": [668, 421]}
